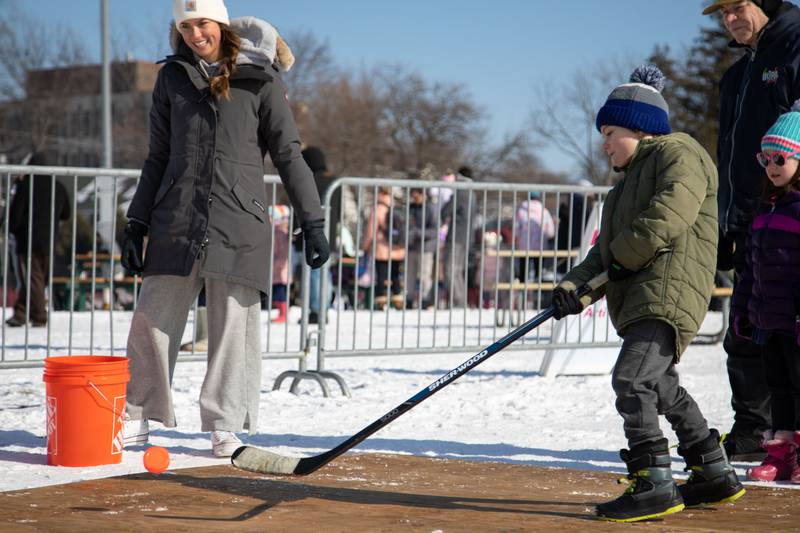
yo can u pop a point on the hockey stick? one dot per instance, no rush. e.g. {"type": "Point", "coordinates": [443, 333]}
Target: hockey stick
{"type": "Point", "coordinates": [265, 462]}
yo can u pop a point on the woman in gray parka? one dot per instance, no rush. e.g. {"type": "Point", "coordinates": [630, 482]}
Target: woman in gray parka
{"type": "Point", "coordinates": [201, 202]}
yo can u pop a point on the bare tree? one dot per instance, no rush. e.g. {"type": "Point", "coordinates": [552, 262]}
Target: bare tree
{"type": "Point", "coordinates": [386, 119]}
{"type": "Point", "coordinates": [149, 41]}
{"type": "Point", "coordinates": [17, 56]}
{"type": "Point", "coordinates": [32, 122]}
{"type": "Point", "coordinates": [514, 160]}
{"type": "Point", "coordinates": [565, 116]}
{"type": "Point", "coordinates": [692, 91]}
{"type": "Point", "coordinates": [314, 66]}
{"type": "Point", "coordinates": [426, 123]}
{"type": "Point", "coordinates": [344, 120]}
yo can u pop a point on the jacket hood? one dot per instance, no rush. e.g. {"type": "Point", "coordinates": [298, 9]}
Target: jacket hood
{"type": "Point", "coordinates": [785, 21]}
{"type": "Point", "coordinates": [261, 43]}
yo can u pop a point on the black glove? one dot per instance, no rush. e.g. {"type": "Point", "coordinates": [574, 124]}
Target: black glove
{"type": "Point", "coordinates": [725, 251]}
{"type": "Point", "coordinates": [617, 272]}
{"type": "Point", "coordinates": [131, 257]}
{"type": "Point", "coordinates": [742, 326]}
{"type": "Point", "coordinates": [565, 303]}
{"type": "Point", "coordinates": [317, 248]}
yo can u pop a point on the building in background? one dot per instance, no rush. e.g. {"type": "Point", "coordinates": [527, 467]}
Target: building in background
{"type": "Point", "coordinates": [61, 115]}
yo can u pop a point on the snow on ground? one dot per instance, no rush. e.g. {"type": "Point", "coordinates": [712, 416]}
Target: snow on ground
{"type": "Point", "coordinates": [501, 411]}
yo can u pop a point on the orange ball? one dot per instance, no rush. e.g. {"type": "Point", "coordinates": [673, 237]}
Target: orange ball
{"type": "Point", "coordinates": [156, 459]}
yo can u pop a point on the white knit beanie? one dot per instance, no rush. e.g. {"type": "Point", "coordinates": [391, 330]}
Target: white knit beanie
{"type": "Point", "coordinates": [199, 9]}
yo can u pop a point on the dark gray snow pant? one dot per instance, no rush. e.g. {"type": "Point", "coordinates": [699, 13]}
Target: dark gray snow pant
{"type": "Point", "coordinates": [646, 384]}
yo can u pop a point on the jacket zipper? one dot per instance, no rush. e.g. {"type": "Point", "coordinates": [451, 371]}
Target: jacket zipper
{"type": "Point", "coordinates": [764, 243]}
{"type": "Point", "coordinates": [204, 243]}
{"type": "Point", "coordinates": [739, 105]}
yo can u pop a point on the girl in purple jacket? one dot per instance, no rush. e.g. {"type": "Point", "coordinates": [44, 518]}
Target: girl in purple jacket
{"type": "Point", "coordinates": [766, 303]}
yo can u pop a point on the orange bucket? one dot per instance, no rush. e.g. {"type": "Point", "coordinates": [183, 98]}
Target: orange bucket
{"type": "Point", "coordinates": [85, 409]}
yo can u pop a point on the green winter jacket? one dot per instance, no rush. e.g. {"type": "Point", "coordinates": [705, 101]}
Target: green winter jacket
{"type": "Point", "coordinates": [660, 221]}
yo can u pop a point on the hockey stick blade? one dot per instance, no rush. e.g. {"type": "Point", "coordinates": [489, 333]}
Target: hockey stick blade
{"type": "Point", "coordinates": [262, 461]}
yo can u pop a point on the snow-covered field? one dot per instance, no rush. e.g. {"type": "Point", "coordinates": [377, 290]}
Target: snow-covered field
{"type": "Point", "coordinates": [501, 411]}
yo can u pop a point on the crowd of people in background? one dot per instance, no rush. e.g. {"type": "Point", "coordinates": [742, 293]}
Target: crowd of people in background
{"type": "Point", "coordinates": [421, 245]}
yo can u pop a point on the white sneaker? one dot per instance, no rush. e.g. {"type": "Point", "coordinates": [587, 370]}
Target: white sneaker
{"type": "Point", "coordinates": [200, 345]}
{"type": "Point", "coordinates": [136, 432]}
{"type": "Point", "coordinates": [224, 443]}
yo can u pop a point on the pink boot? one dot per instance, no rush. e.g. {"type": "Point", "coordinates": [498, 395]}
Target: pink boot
{"type": "Point", "coordinates": [795, 476]}
{"type": "Point", "coordinates": [281, 307]}
{"type": "Point", "coordinates": [781, 458]}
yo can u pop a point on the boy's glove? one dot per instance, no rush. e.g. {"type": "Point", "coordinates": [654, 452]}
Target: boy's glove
{"type": "Point", "coordinates": [617, 272]}
{"type": "Point", "coordinates": [132, 243]}
{"type": "Point", "coordinates": [742, 327]}
{"type": "Point", "coordinates": [317, 248]}
{"type": "Point", "coordinates": [565, 303]}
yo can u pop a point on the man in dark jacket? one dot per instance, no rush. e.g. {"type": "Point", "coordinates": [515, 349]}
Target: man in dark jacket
{"type": "Point", "coordinates": [315, 159]}
{"type": "Point", "coordinates": [423, 238]}
{"type": "Point", "coordinates": [459, 214]}
{"type": "Point", "coordinates": [42, 227]}
{"type": "Point", "coordinates": [758, 88]}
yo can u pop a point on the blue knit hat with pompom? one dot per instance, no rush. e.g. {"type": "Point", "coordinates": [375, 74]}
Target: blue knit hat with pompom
{"type": "Point", "coordinates": [638, 105]}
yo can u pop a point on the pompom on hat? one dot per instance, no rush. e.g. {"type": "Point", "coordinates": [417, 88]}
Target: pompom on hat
{"type": "Point", "coordinates": [199, 9]}
{"type": "Point", "coordinates": [784, 135]}
{"type": "Point", "coordinates": [638, 105]}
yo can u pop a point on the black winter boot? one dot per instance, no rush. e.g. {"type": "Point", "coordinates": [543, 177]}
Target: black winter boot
{"type": "Point", "coordinates": [652, 491]}
{"type": "Point", "coordinates": [711, 477]}
{"type": "Point", "coordinates": [745, 447]}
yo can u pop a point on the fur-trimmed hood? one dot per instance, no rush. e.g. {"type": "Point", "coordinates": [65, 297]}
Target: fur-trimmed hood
{"type": "Point", "coordinates": [261, 43]}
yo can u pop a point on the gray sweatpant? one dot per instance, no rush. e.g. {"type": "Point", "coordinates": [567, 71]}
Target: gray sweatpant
{"type": "Point", "coordinates": [646, 384]}
{"type": "Point", "coordinates": [229, 396]}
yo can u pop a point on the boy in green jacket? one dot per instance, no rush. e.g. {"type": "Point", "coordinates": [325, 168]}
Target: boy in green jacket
{"type": "Point", "coordinates": [658, 242]}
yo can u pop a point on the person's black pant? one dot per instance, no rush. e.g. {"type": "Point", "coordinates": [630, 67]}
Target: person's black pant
{"type": "Point", "coordinates": [382, 274]}
{"type": "Point", "coordinates": [40, 266]}
{"type": "Point", "coordinates": [781, 357]}
{"type": "Point", "coordinates": [750, 396]}
{"type": "Point", "coordinates": [527, 269]}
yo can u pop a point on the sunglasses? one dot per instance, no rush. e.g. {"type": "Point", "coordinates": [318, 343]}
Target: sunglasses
{"type": "Point", "coordinates": [764, 159]}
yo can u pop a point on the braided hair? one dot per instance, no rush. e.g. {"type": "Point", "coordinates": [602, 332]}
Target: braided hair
{"type": "Point", "coordinates": [230, 44]}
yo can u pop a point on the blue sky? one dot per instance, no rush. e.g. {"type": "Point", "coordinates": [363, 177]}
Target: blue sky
{"type": "Point", "coordinates": [501, 51]}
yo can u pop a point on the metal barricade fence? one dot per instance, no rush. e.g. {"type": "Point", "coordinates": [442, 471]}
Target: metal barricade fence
{"type": "Point", "coordinates": [417, 267]}
{"type": "Point", "coordinates": [497, 252]}
{"type": "Point", "coordinates": [89, 296]}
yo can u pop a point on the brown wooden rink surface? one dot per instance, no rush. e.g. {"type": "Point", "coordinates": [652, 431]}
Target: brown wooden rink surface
{"type": "Point", "coordinates": [366, 492]}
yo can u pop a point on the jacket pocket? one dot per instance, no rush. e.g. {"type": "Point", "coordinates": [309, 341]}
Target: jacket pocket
{"type": "Point", "coordinates": [250, 202]}
{"type": "Point", "coordinates": [163, 189]}
{"type": "Point", "coordinates": [666, 277]}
